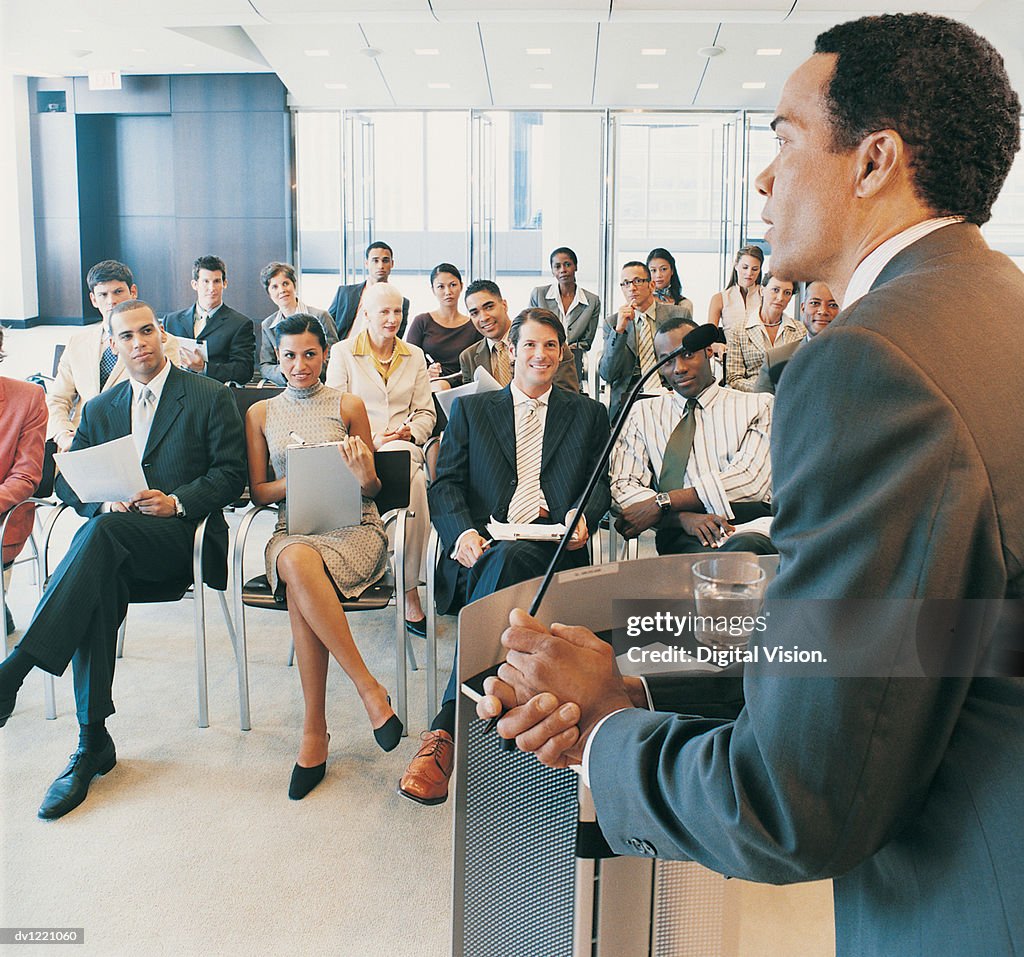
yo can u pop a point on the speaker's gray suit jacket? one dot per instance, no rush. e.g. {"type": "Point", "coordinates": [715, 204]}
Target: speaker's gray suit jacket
{"type": "Point", "coordinates": [775, 360]}
{"type": "Point", "coordinates": [898, 456]}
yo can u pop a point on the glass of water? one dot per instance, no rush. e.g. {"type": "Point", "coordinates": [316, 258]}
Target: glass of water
{"type": "Point", "coordinates": [728, 592]}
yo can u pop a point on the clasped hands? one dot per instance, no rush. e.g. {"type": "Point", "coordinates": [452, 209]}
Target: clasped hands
{"type": "Point", "coordinates": [149, 501]}
{"type": "Point", "coordinates": [555, 686]}
{"type": "Point", "coordinates": [472, 544]}
{"type": "Point", "coordinates": [640, 516]}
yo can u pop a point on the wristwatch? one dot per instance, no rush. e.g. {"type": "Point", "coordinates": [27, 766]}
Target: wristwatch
{"type": "Point", "coordinates": [663, 501]}
{"type": "Point", "coordinates": [179, 509]}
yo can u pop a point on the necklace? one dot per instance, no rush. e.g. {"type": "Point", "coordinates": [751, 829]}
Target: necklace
{"type": "Point", "coordinates": [772, 325]}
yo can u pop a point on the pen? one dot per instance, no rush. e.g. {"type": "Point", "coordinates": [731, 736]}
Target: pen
{"type": "Point", "coordinates": [296, 438]}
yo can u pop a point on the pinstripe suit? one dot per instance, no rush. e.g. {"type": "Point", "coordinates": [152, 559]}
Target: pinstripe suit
{"type": "Point", "coordinates": [196, 450]}
{"type": "Point", "coordinates": [476, 477]}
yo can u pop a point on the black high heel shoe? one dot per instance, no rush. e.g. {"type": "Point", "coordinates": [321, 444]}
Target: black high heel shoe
{"type": "Point", "coordinates": [389, 734]}
{"type": "Point", "coordinates": [304, 780]}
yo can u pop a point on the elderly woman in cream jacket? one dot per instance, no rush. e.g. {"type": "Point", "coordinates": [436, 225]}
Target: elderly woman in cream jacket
{"type": "Point", "coordinates": [390, 376]}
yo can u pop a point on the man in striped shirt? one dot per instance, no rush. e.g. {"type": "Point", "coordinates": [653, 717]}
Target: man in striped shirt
{"type": "Point", "coordinates": [695, 462]}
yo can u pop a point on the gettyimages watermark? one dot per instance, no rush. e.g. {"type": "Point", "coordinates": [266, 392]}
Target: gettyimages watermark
{"type": "Point", "coordinates": [848, 638]}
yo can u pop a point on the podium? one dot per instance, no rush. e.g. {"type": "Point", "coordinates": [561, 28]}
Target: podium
{"type": "Point", "coordinates": [520, 889]}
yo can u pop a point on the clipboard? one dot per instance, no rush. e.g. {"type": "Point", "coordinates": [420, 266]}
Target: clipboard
{"type": "Point", "coordinates": [322, 492]}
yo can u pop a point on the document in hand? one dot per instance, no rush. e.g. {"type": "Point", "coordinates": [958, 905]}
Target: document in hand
{"type": "Point", "coordinates": [524, 531]}
{"type": "Point", "coordinates": [762, 526]}
{"type": "Point", "coordinates": [110, 472]}
{"type": "Point", "coordinates": [322, 492]}
{"type": "Point", "coordinates": [483, 381]}
{"type": "Point", "coordinates": [193, 345]}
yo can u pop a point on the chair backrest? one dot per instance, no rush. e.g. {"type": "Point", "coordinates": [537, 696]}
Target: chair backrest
{"type": "Point", "coordinates": [248, 396]}
{"type": "Point", "coordinates": [45, 487]}
{"type": "Point", "coordinates": [58, 351]}
{"type": "Point", "coordinates": [431, 450]}
{"type": "Point", "coordinates": [393, 471]}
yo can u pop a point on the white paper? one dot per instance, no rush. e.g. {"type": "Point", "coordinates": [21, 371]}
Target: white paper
{"type": "Point", "coordinates": [761, 525]}
{"type": "Point", "coordinates": [524, 531]}
{"type": "Point", "coordinates": [110, 472]}
{"type": "Point", "coordinates": [483, 381]}
{"type": "Point", "coordinates": [194, 345]}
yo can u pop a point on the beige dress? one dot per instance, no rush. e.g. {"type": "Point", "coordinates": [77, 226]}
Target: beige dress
{"type": "Point", "coordinates": [355, 557]}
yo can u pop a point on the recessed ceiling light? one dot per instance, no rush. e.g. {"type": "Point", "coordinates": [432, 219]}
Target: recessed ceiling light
{"type": "Point", "coordinates": [336, 86]}
{"type": "Point", "coordinates": [653, 51]}
{"type": "Point", "coordinates": [440, 86]}
{"type": "Point", "coordinates": [426, 51]}
{"type": "Point", "coordinates": [139, 50]}
{"type": "Point", "coordinates": [371, 52]}
{"type": "Point", "coordinates": [538, 51]}
{"type": "Point", "coordinates": [540, 86]}
{"type": "Point", "coordinates": [753, 86]}
{"type": "Point", "coordinates": [769, 51]}
{"type": "Point", "coordinates": [188, 64]}
{"type": "Point", "coordinates": [647, 86]}
{"type": "Point", "coordinates": [317, 52]}
{"type": "Point", "coordinates": [710, 51]}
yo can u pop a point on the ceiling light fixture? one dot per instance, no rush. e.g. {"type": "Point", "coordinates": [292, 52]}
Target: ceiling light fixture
{"type": "Point", "coordinates": [653, 51]}
{"type": "Point", "coordinates": [710, 52]}
{"type": "Point", "coordinates": [317, 52]}
{"type": "Point", "coordinates": [426, 51]}
{"type": "Point", "coordinates": [753, 86]}
{"type": "Point", "coordinates": [371, 52]}
{"type": "Point", "coordinates": [336, 86]}
{"type": "Point", "coordinates": [440, 86]}
{"type": "Point", "coordinates": [770, 51]}
{"type": "Point", "coordinates": [647, 86]}
{"type": "Point", "coordinates": [540, 86]}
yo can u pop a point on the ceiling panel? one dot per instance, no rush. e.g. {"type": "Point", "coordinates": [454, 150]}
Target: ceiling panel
{"type": "Point", "coordinates": [723, 83]}
{"type": "Point", "coordinates": [306, 77]}
{"type": "Point", "coordinates": [519, 78]}
{"type": "Point", "coordinates": [459, 63]}
{"type": "Point", "coordinates": [699, 11]}
{"type": "Point", "coordinates": [625, 74]}
{"type": "Point", "coordinates": [521, 11]}
{"type": "Point", "coordinates": [342, 11]}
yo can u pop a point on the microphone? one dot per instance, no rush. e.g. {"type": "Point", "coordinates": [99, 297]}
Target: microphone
{"type": "Point", "coordinates": [694, 341]}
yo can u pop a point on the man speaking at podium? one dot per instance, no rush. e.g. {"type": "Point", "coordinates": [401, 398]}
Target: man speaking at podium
{"type": "Point", "coordinates": [898, 463]}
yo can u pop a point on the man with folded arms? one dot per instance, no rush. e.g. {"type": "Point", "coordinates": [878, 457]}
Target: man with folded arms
{"type": "Point", "coordinates": [523, 455]}
{"type": "Point", "coordinates": [191, 446]}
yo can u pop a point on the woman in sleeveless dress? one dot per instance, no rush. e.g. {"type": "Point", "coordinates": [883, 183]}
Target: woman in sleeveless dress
{"type": "Point", "coordinates": [741, 298]}
{"type": "Point", "coordinates": [315, 569]}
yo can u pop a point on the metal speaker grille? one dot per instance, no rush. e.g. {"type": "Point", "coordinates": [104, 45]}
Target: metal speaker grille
{"type": "Point", "coordinates": [689, 910]}
{"type": "Point", "coordinates": [519, 867]}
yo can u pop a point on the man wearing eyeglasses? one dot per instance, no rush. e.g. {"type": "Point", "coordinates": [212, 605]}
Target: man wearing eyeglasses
{"type": "Point", "coordinates": [629, 334]}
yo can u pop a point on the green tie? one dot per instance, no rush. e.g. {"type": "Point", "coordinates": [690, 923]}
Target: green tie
{"type": "Point", "coordinates": [677, 451]}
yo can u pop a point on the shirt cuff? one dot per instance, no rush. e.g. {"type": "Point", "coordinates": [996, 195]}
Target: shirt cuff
{"type": "Point", "coordinates": [458, 542]}
{"type": "Point", "coordinates": [709, 490]}
{"type": "Point", "coordinates": [584, 769]}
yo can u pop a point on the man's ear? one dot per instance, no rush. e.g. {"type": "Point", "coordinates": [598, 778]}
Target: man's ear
{"type": "Point", "coordinates": [881, 158]}
{"type": "Point", "coordinates": [195, 285]}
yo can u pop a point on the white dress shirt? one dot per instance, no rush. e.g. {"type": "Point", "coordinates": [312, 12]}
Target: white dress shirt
{"type": "Point", "coordinates": [729, 461]}
{"type": "Point", "coordinates": [578, 300]}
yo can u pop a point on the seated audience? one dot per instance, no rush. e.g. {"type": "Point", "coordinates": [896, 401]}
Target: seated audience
{"type": "Point", "coordinates": [190, 442]}
{"type": "Point", "coordinates": [390, 376]}
{"type": "Point", "coordinates": [817, 310]}
{"type": "Point", "coordinates": [748, 343]}
{"type": "Point", "coordinates": [229, 337]}
{"type": "Point", "coordinates": [578, 308]}
{"type": "Point", "coordinates": [741, 298]}
{"type": "Point", "coordinates": [629, 334]}
{"type": "Point", "coordinates": [522, 454]}
{"type": "Point", "coordinates": [22, 437]}
{"type": "Point", "coordinates": [695, 461]}
{"type": "Point", "coordinates": [346, 308]}
{"type": "Point", "coordinates": [445, 333]}
{"type": "Point", "coordinates": [279, 280]}
{"type": "Point", "coordinates": [315, 569]}
{"type": "Point", "coordinates": [489, 313]}
{"type": "Point", "coordinates": [665, 281]}
{"type": "Point", "coordinates": [88, 365]}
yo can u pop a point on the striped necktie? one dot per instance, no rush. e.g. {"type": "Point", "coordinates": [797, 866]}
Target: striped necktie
{"type": "Point", "coordinates": [142, 420]}
{"type": "Point", "coordinates": [644, 342]}
{"type": "Point", "coordinates": [200, 324]}
{"type": "Point", "coordinates": [525, 503]}
{"type": "Point", "coordinates": [502, 366]}
{"type": "Point", "coordinates": [107, 362]}
{"type": "Point", "coordinates": [677, 449]}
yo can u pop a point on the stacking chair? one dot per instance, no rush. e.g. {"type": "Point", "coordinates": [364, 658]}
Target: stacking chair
{"type": "Point", "coordinates": [393, 504]}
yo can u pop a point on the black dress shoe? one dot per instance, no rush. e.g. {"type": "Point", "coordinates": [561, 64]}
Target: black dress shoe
{"type": "Point", "coordinates": [71, 788]}
{"type": "Point", "coordinates": [7, 708]}
{"type": "Point", "coordinates": [9, 619]}
{"type": "Point", "coordinates": [417, 628]}
{"type": "Point", "coordinates": [305, 779]}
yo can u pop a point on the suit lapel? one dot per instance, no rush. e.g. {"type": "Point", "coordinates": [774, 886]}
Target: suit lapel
{"type": "Point", "coordinates": [555, 424]}
{"type": "Point", "coordinates": [502, 420]}
{"type": "Point", "coordinates": [121, 411]}
{"type": "Point", "coordinates": [172, 400]}
{"type": "Point", "coordinates": [212, 324]}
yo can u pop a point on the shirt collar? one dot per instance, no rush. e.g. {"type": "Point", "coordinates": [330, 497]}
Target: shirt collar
{"type": "Point", "coordinates": [519, 397]}
{"type": "Point", "coordinates": [155, 385]}
{"type": "Point", "coordinates": [211, 313]}
{"type": "Point", "coordinates": [361, 346]}
{"type": "Point", "coordinates": [280, 316]}
{"type": "Point", "coordinates": [492, 344]}
{"type": "Point", "coordinates": [871, 266]}
{"type": "Point", "coordinates": [754, 320]}
{"type": "Point", "coordinates": [704, 399]}
{"type": "Point", "coordinates": [578, 299]}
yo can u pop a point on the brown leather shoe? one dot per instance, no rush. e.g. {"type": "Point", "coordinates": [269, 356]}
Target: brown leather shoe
{"type": "Point", "coordinates": [426, 778]}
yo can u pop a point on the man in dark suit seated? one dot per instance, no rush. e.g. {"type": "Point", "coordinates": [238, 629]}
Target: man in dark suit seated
{"type": "Point", "coordinates": [694, 461]}
{"type": "Point", "coordinates": [489, 313]}
{"type": "Point", "coordinates": [347, 305]}
{"type": "Point", "coordinates": [192, 448]}
{"type": "Point", "coordinates": [522, 454]}
{"type": "Point", "coordinates": [229, 337]}
{"type": "Point", "coordinates": [818, 309]}
{"type": "Point", "coordinates": [894, 767]}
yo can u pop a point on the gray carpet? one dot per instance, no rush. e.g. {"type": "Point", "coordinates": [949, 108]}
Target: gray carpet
{"type": "Point", "coordinates": [190, 845]}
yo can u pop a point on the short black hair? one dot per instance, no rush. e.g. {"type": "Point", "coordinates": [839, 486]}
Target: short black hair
{"type": "Point", "coordinates": [675, 322]}
{"type": "Point", "coordinates": [445, 268]}
{"type": "Point", "coordinates": [270, 270]}
{"type": "Point", "coordinates": [534, 314]}
{"type": "Point", "coordinates": [635, 262]}
{"type": "Point", "coordinates": [299, 323]}
{"type": "Point", "coordinates": [109, 270]}
{"type": "Point", "coordinates": [943, 88]}
{"type": "Point", "coordinates": [130, 305]}
{"type": "Point", "coordinates": [482, 285]}
{"type": "Point", "coordinates": [565, 251]}
{"type": "Point", "coordinates": [211, 264]}
{"type": "Point", "coordinates": [378, 244]}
